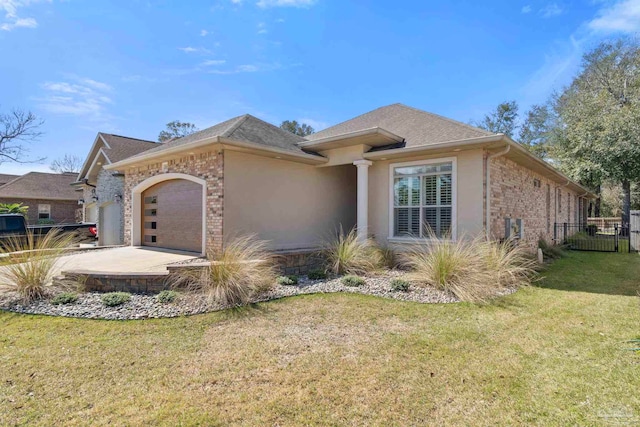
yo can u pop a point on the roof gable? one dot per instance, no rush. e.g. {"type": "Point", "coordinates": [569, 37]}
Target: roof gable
{"type": "Point", "coordinates": [40, 185]}
{"type": "Point", "coordinates": [416, 126]}
{"type": "Point", "coordinates": [4, 178]}
{"type": "Point", "coordinates": [246, 128]}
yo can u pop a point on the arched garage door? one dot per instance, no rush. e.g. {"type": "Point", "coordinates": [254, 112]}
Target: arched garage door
{"type": "Point", "coordinates": [172, 215]}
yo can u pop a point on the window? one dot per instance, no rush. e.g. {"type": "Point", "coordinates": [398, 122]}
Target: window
{"type": "Point", "coordinates": [423, 196]}
{"type": "Point", "coordinates": [44, 211]}
{"type": "Point", "coordinates": [536, 183]}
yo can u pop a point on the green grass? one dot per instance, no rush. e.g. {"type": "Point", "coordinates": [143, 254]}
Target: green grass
{"type": "Point", "coordinates": [599, 242]}
{"type": "Point", "coordinates": [552, 355]}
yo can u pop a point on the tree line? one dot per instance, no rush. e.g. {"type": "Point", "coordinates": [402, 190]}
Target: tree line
{"type": "Point", "coordinates": [590, 129]}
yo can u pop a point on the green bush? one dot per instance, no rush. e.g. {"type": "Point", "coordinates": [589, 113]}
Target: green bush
{"type": "Point", "coordinates": [550, 251]}
{"type": "Point", "coordinates": [399, 285]}
{"type": "Point", "coordinates": [167, 297]}
{"type": "Point", "coordinates": [46, 222]}
{"type": "Point", "coordinates": [64, 298]}
{"type": "Point", "coordinates": [353, 281]}
{"type": "Point", "coordinates": [317, 274]}
{"type": "Point", "coordinates": [113, 299]}
{"type": "Point", "coordinates": [287, 280]}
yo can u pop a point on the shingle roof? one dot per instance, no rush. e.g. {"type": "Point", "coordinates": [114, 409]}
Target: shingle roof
{"type": "Point", "coordinates": [4, 178]}
{"type": "Point", "coordinates": [123, 147]}
{"type": "Point", "coordinates": [245, 128]}
{"type": "Point", "coordinates": [40, 185]}
{"type": "Point", "coordinates": [416, 126]}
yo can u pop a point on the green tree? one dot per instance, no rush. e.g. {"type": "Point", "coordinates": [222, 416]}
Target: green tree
{"type": "Point", "coordinates": [504, 119]}
{"type": "Point", "coordinates": [597, 138]}
{"type": "Point", "coordinates": [301, 129]}
{"type": "Point", "coordinates": [13, 208]}
{"type": "Point", "coordinates": [176, 129]}
{"type": "Point", "coordinates": [535, 130]}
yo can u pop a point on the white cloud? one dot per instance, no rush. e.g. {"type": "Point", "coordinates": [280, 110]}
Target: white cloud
{"type": "Point", "coordinates": [236, 1]}
{"type": "Point", "coordinates": [211, 62]}
{"type": "Point", "coordinates": [247, 68]}
{"type": "Point", "coordinates": [10, 8]}
{"type": "Point", "coordinates": [190, 49]}
{"type": "Point", "coordinates": [526, 9]}
{"type": "Point", "coordinates": [623, 17]}
{"type": "Point", "coordinates": [82, 97]}
{"type": "Point", "coordinates": [203, 33]}
{"type": "Point", "coordinates": [279, 20]}
{"type": "Point", "coordinates": [551, 10]}
{"type": "Point", "coordinates": [285, 3]}
{"type": "Point", "coordinates": [262, 28]}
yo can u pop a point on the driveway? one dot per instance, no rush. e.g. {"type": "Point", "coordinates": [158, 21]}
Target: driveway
{"type": "Point", "coordinates": [128, 259]}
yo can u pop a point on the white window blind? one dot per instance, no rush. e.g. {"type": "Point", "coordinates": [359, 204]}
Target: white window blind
{"type": "Point", "coordinates": [423, 200]}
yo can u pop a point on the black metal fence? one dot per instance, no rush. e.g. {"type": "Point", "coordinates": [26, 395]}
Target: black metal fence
{"type": "Point", "coordinates": [590, 237]}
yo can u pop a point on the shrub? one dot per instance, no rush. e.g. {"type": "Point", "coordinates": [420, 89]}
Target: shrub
{"type": "Point", "coordinates": [317, 274]}
{"type": "Point", "coordinates": [31, 263]}
{"type": "Point", "coordinates": [234, 275]}
{"type": "Point", "coordinates": [46, 222]}
{"type": "Point", "coordinates": [64, 298]}
{"type": "Point", "coordinates": [353, 281]}
{"type": "Point", "coordinates": [167, 297]}
{"type": "Point", "coordinates": [550, 251]}
{"type": "Point", "coordinates": [389, 257]}
{"type": "Point", "coordinates": [399, 285]}
{"type": "Point", "coordinates": [345, 253]}
{"type": "Point", "coordinates": [114, 299]}
{"type": "Point", "coordinates": [472, 270]}
{"type": "Point", "coordinates": [287, 280]}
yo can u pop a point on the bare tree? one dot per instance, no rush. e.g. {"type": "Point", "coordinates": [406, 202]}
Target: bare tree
{"type": "Point", "coordinates": [16, 128]}
{"type": "Point", "coordinates": [68, 163]}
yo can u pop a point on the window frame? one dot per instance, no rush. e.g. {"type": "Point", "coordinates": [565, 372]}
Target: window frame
{"type": "Point", "coordinates": [48, 210]}
{"type": "Point", "coordinates": [454, 199]}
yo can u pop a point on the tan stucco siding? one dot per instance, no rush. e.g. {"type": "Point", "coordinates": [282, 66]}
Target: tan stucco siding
{"type": "Point", "coordinates": [292, 205]}
{"type": "Point", "coordinates": [469, 193]}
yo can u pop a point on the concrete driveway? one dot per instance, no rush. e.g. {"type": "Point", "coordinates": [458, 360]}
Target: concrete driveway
{"type": "Point", "coordinates": [128, 259]}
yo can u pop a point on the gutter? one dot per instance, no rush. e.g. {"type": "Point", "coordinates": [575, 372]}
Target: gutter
{"type": "Point", "coordinates": [488, 190]}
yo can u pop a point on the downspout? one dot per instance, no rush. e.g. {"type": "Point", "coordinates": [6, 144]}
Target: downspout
{"type": "Point", "coordinates": [488, 189]}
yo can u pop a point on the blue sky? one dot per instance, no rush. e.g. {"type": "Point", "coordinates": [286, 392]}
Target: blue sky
{"type": "Point", "coordinates": [129, 67]}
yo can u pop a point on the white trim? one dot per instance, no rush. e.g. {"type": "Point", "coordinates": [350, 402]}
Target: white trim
{"type": "Point", "coordinates": [362, 196]}
{"type": "Point", "coordinates": [136, 205]}
{"type": "Point", "coordinates": [454, 197]}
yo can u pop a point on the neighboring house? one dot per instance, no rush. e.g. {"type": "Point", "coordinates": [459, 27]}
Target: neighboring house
{"type": "Point", "coordinates": [50, 196]}
{"type": "Point", "coordinates": [4, 178]}
{"type": "Point", "coordinates": [102, 190]}
{"type": "Point", "coordinates": [394, 173]}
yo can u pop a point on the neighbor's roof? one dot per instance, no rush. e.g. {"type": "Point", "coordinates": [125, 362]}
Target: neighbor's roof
{"type": "Point", "coordinates": [246, 128]}
{"type": "Point", "coordinates": [4, 178]}
{"type": "Point", "coordinates": [417, 127]}
{"type": "Point", "coordinates": [122, 147]}
{"type": "Point", "coordinates": [40, 185]}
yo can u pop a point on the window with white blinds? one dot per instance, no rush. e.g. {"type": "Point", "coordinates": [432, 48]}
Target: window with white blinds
{"type": "Point", "coordinates": [423, 200]}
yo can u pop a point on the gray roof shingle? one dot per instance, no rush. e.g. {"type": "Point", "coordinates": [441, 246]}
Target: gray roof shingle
{"type": "Point", "coordinates": [246, 128]}
{"type": "Point", "coordinates": [417, 127]}
{"type": "Point", "coordinates": [123, 147]}
{"type": "Point", "coordinates": [40, 185]}
{"type": "Point", "coordinates": [4, 178]}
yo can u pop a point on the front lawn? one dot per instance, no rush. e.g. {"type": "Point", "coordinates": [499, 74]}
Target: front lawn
{"type": "Point", "coordinates": [548, 355]}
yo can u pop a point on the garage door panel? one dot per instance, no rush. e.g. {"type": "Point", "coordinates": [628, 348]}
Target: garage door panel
{"type": "Point", "coordinates": [172, 215]}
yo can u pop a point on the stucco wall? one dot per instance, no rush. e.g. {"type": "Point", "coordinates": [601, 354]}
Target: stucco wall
{"type": "Point", "coordinates": [514, 195]}
{"type": "Point", "coordinates": [469, 188]}
{"type": "Point", "coordinates": [62, 211]}
{"type": "Point", "coordinates": [107, 188]}
{"type": "Point", "coordinates": [292, 205]}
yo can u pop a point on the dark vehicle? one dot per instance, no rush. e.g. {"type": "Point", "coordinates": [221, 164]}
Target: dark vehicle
{"type": "Point", "coordinates": [15, 226]}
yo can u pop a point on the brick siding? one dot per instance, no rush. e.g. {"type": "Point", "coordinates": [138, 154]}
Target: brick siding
{"type": "Point", "coordinates": [208, 166]}
{"type": "Point", "coordinates": [62, 211]}
{"type": "Point", "coordinates": [514, 194]}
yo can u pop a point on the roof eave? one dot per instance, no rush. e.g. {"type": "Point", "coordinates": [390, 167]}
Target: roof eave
{"type": "Point", "coordinates": [489, 141]}
{"type": "Point", "coordinates": [328, 142]}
